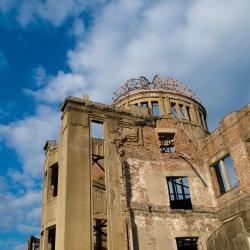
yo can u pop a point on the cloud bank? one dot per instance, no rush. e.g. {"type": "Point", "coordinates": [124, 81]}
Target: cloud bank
{"type": "Point", "coordinates": [205, 44]}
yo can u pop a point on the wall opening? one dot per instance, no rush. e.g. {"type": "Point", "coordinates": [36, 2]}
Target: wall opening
{"type": "Point", "coordinates": [179, 193]}
{"type": "Point", "coordinates": [182, 113]}
{"type": "Point", "coordinates": [144, 104]}
{"type": "Point", "coordinates": [97, 130]}
{"type": "Point", "coordinates": [188, 113]}
{"type": "Point", "coordinates": [98, 189]}
{"type": "Point", "coordinates": [186, 243]}
{"type": "Point", "coordinates": [173, 110]}
{"type": "Point", "coordinates": [51, 238]}
{"type": "Point", "coordinates": [166, 142]}
{"type": "Point", "coordinates": [53, 188]}
{"type": "Point", "coordinates": [225, 174]}
{"type": "Point", "coordinates": [100, 234]}
{"type": "Point", "coordinates": [155, 108]}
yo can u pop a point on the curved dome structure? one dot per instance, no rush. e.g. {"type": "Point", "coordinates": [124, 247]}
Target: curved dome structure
{"type": "Point", "coordinates": [164, 96]}
{"type": "Point", "coordinates": [141, 83]}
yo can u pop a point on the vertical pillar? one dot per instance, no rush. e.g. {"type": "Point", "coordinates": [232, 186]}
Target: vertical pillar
{"type": "Point", "coordinates": [166, 102]}
{"type": "Point", "coordinates": [185, 112]}
{"type": "Point", "coordinates": [203, 121]}
{"type": "Point", "coordinates": [225, 175]}
{"type": "Point", "coordinates": [178, 110]}
{"type": "Point", "coordinates": [192, 113]}
{"type": "Point", "coordinates": [162, 106]}
{"type": "Point", "coordinates": [75, 220]}
{"type": "Point", "coordinates": [116, 234]}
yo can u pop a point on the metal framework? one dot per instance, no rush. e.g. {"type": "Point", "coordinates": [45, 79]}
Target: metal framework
{"type": "Point", "coordinates": [179, 193]}
{"type": "Point", "coordinates": [186, 243]}
{"type": "Point", "coordinates": [162, 84]}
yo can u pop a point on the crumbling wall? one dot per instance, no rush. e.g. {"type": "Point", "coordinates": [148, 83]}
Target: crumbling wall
{"type": "Point", "coordinates": [156, 225]}
{"type": "Point", "coordinates": [232, 235]}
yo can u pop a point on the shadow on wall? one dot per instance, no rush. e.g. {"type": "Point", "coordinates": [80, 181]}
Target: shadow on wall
{"type": "Point", "coordinates": [126, 173]}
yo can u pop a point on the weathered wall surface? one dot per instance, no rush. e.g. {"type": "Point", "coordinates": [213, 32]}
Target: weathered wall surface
{"type": "Point", "coordinates": [232, 235]}
{"type": "Point", "coordinates": [136, 194]}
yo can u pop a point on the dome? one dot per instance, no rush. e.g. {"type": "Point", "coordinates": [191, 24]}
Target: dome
{"type": "Point", "coordinates": [164, 84]}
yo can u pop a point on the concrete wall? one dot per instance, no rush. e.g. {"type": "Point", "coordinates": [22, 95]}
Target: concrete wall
{"type": "Point", "coordinates": [233, 234]}
{"type": "Point", "coordinates": [136, 196]}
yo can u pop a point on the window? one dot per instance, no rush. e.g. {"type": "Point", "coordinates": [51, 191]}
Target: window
{"type": "Point", "coordinates": [179, 193]}
{"type": "Point", "coordinates": [173, 110]}
{"type": "Point", "coordinates": [144, 104]}
{"type": "Point", "coordinates": [181, 108]}
{"type": "Point", "coordinates": [100, 234]}
{"type": "Point", "coordinates": [166, 142]}
{"type": "Point", "coordinates": [155, 109]}
{"type": "Point", "coordinates": [135, 104]}
{"type": "Point", "coordinates": [202, 120]}
{"type": "Point", "coordinates": [225, 174]}
{"type": "Point", "coordinates": [97, 129]}
{"type": "Point", "coordinates": [53, 180]}
{"type": "Point", "coordinates": [52, 238]}
{"type": "Point", "coordinates": [188, 113]}
{"type": "Point", "coordinates": [186, 243]}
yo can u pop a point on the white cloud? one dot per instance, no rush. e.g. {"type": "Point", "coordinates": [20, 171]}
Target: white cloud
{"type": "Point", "coordinates": [40, 76]}
{"type": "Point", "coordinates": [78, 29]}
{"type": "Point", "coordinates": [19, 211]}
{"type": "Point", "coordinates": [28, 136]}
{"type": "Point", "coordinates": [202, 43]}
{"type": "Point", "coordinates": [59, 87]}
{"type": "Point", "coordinates": [55, 12]}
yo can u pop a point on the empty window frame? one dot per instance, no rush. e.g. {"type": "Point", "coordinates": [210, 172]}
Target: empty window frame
{"type": "Point", "coordinates": [188, 113]}
{"type": "Point", "coordinates": [202, 119]}
{"type": "Point", "coordinates": [166, 142]}
{"type": "Point", "coordinates": [144, 104]}
{"type": "Point", "coordinates": [97, 129]}
{"type": "Point", "coordinates": [51, 241]}
{"type": "Point", "coordinates": [173, 110]}
{"type": "Point", "coordinates": [53, 188]}
{"type": "Point", "coordinates": [225, 174]}
{"type": "Point", "coordinates": [179, 193]}
{"type": "Point", "coordinates": [186, 243]}
{"type": "Point", "coordinates": [100, 234]}
{"type": "Point", "coordinates": [155, 108]}
{"type": "Point", "coordinates": [182, 112]}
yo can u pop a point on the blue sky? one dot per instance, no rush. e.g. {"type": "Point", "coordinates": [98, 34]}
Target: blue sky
{"type": "Point", "coordinates": [50, 49]}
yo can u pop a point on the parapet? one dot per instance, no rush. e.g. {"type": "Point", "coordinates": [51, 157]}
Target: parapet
{"type": "Point", "coordinates": [163, 97]}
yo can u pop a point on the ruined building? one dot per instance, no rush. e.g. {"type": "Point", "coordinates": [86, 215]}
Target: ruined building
{"type": "Point", "coordinates": [145, 173]}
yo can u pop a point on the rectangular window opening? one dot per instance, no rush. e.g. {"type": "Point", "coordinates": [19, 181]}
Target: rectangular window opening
{"type": "Point", "coordinates": [186, 243]}
{"type": "Point", "coordinates": [144, 104]}
{"type": "Point", "coordinates": [100, 234]}
{"type": "Point", "coordinates": [173, 110]}
{"type": "Point", "coordinates": [97, 130]}
{"type": "Point", "coordinates": [179, 193]}
{"type": "Point", "coordinates": [167, 142]}
{"type": "Point", "coordinates": [181, 108]}
{"type": "Point", "coordinates": [188, 113]}
{"type": "Point", "coordinates": [54, 180]}
{"type": "Point", "coordinates": [155, 108]}
{"type": "Point", "coordinates": [225, 174]}
{"type": "Point", "coordinates": [52, 238]}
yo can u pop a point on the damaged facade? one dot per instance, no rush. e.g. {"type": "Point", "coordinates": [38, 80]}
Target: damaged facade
{"type": "Point", "coordinates": [145, 173]}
